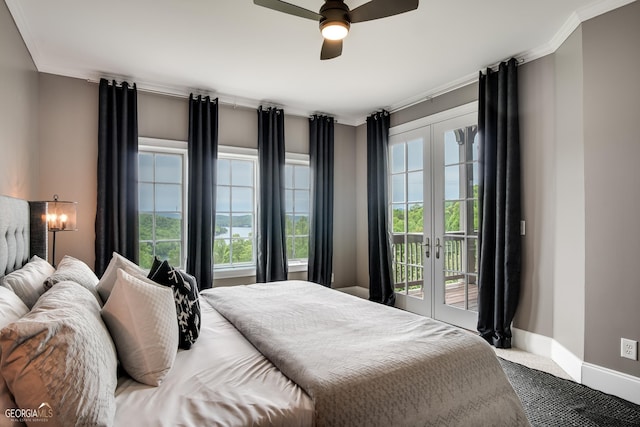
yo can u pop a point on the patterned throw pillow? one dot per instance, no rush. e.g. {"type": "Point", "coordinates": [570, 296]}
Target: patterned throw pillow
{"type": "Point", "coordinates": [185, 293]}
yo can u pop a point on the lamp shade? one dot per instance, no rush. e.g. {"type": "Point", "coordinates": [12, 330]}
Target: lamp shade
{"type": "Point", "coordinates": [61, 216]}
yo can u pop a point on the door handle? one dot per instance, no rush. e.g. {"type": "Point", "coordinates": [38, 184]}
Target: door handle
{"type": "Point", "coordinates": [438, 246]}
{"type": "Point", "coordinates": [427, 248]}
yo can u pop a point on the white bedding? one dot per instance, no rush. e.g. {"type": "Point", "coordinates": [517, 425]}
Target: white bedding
{"type": "Point", "coordinates": [365, 364]}
{"type": "Point", "coordinates": [221, 381]}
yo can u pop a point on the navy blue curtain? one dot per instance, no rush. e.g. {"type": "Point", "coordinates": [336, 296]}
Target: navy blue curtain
{"type": "Point", "coordinates": [380, 274]}
{"type": "Point", "coordinates": [271, 239]}
{"type": "Point", "coordinates": [116, 223]}
{"type": "Point", "coordinates": [203, 155]}
{"type": "Point", "coordinates": [500, 209]}
{"type": "Point", "coordinates": [320, 265]}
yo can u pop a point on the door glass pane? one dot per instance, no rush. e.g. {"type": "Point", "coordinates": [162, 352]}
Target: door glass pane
{"type": "Point", "coordinates": [397, 188]}
{"type": "Point", "coordinates": [452, 182]}
{"type": "Point", "coordinates": [451, 148]}
{"type": "Point", "coordinates": [414, 155]}
{"type": "Point", "coordinates": [472, 290]}
{"type": "Point", "coordinates": [397, 158]}
{"type": "Point", "coordinates": [414, 187]}
{"type": "Point", "coordinates": [398, 221]}
{"type": "Point", "coordinates": [415, 222]}
{"type": "Point", "coordinates": [452, 214]}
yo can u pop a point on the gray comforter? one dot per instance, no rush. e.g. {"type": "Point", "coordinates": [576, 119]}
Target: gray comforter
{"type": "Point", "coordinates": [366, 364]}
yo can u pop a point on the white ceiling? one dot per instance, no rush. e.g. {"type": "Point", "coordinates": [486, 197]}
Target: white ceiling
{"type": "Point", "coordinates": [247, 54]}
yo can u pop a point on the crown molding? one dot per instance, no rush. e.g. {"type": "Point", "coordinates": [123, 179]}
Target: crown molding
{"type": "Point", "coordinates": [581, 15]}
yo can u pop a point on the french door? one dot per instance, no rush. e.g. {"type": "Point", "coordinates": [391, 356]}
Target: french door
{"type": "Point", "coordinates": [433, 205]}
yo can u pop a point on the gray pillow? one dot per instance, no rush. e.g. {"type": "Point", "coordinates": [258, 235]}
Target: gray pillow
{"type": "Point", "coordinates": [76, 271]}
{"type": "Point", "coordinates": [108, 279]}
{"type": "Point", "coordinates": [61, 353]}
{"type": "Point", "coordinates": [141, 316]}
{"type": "Point", "coordinates": [28, 282]}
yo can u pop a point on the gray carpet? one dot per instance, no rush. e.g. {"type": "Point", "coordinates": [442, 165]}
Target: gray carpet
{"type": "Point", "coordinates": [552, 401]}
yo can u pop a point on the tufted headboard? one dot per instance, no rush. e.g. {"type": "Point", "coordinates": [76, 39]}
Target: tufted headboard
{"type": "Point", "coordinates": [23, 232]}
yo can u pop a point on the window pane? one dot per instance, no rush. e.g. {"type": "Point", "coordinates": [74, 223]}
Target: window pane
{"type": "Point", "coordinates": [223, 226]}
{"type": "Point", "coordinates": [301, 176]}
{"type": "Point", "coordinates": [146, 255]}
{"type": "Point", "coordinates": [301, 201]}
{"type": "Point", "coordinates": [451, 148]}
{"type": "Point", "coordinates": [476, 147]}
{"type": "Point", "coordinates": [242, 173]}
{"type": "Point", "coordinates": [414, 154]}
{"type": "Point", "coordinates": [288, 176]}
{"type": "Point", "coordinates": [169, 251]}
{"type": "Point", "coordinates": [301, 225]}
{"type": "Point", "coordinates": [242, 225]}
{"type": "Point", "coordinates": [301, 245]}
{"type": "Point", "coordinates": [242, 250]}
{"type": "Point", "coordinates": [221, 252]}
{"type": "Point", "coordinates": [145, 226]}
{"type": "Point", "coordinates": [414, 187]}
{"type": "Point", "coordinates": [397, 158]}
{"type": "Point", "coordinates": [397, 185]}
{"type": "Point", "coordinates": [145, 167]}
{"type": "Point", "coordinates": [168, 226]}
{"type": "Point", "coordinates": [224, 174]}
{"type": "Point", "coordinates": [145, 197]}
{"type": "Point", "coordinates": [288, 200]}
{"type": "Point", "coordinates": [223, 199]}
{"type": "Point", "coordinates": [168, 168]}
{"type": "Point", "coordinates": [241, 199]}
{"type": "Point", "coordinates": [168, 198]}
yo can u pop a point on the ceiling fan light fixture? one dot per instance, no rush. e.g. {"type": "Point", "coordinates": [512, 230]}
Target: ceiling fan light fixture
{"type": "Point", "coordinates": [334, 30]}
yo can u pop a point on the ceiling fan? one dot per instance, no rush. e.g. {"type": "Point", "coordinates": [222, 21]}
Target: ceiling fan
{"type": "Point", "coordinates": [335, 17]}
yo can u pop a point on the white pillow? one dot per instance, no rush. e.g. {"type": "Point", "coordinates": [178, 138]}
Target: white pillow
{"type": "Point", "coordinates": [61, 353]}
{"type": "Point", "coordinates": [11, 309]}
{"type": "Point", "coordinates": [77, 271]}
{"type": "Point", "coordinates": [28, 282]}
{"type": "Point", "coordinates": [141, 317]}
{"type": "Point", "coordinates": [108, 279]}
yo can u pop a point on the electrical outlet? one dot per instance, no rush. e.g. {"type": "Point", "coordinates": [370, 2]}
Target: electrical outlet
{"type": "Point", "coordinates": [628, 349]}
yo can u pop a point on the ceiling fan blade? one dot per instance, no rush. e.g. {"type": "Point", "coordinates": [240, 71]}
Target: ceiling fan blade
{"type": "Point", "coordinates": [376, 9]}
{"type": "Point", "coordinates": [289, 8]}
{"type": "Point", "coordinates": [331, 49]}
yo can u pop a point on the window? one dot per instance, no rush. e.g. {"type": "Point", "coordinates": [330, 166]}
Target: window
{"type": "Point", "coordinates": [161, 201]}
{"type": "Point", "coordinates": [297, 202]}
{"type": "Point", "coordinates": [235, 242]}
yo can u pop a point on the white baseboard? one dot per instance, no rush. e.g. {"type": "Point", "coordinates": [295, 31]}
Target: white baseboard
{"type": "Point", "coordinates": [597, 377]}
{"type": "Point", "coordinates": [612, 382]}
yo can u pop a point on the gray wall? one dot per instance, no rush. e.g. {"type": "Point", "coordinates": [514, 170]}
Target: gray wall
{"type": "Point", "coordinates": [568, 272]}
{"type": "Point", "coordinates": [612, 196]}
{"type": "Point", "coordinates": [536, 93]}
{"type": "Point", "coordinates": [18, 113]}
{"type": "Point", "coordinates": [68, 134]}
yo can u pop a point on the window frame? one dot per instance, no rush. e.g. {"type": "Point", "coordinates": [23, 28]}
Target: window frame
{"type": "Point", "coordinates": [298, 159]}
{"type": "Point", "coordinates": [167, 146]}
{"type": "Point", "coordinates": [240, 153]}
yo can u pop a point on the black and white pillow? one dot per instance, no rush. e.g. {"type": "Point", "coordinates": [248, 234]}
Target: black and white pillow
{"type": "Point", "coordinates": [185, 293]}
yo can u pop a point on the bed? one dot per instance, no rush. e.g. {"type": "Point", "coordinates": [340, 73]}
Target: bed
{"type": "Point", "coordinates": [297, 354]}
